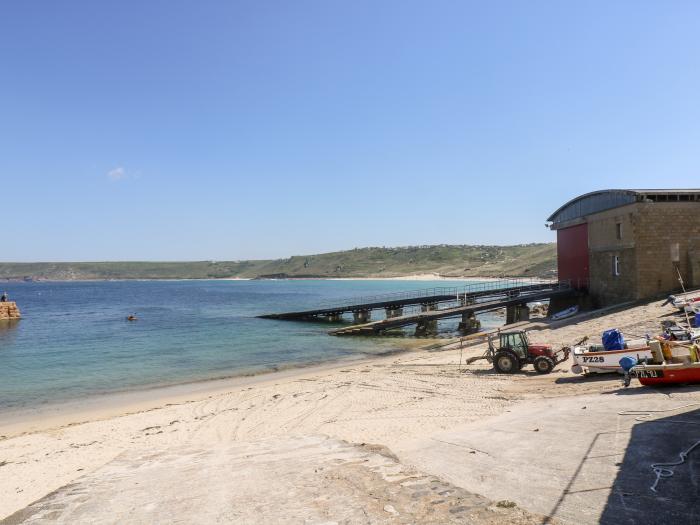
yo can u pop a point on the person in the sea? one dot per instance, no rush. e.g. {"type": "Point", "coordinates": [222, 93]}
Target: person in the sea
{"type": "Point", "coordinates": [3, 298]}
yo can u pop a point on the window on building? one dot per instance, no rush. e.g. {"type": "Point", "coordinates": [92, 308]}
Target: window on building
{"type": "Point", "coordinates": [618, 230]}
{"type": "Point", "coordinates": [616, 265]}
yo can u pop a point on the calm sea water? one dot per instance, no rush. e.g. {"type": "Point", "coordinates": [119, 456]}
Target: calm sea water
{"type": "Point", "coordinates": [74, 340]}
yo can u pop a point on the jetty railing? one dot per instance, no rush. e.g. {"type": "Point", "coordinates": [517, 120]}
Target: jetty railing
{"type": "Point", "coordinates": [456, 291]}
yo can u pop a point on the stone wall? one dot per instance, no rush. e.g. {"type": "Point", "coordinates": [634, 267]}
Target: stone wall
{"type": "Point", "coordinates": [605, 241]}
{"type": "Point", "coordinates": [607, 288]}
{"type": "Point", "coordinates": [646, 234]}
{"type": "Point", "coordinates": [660, 225]}
{"type": "Point", "coordinates": [694, 264]}
{"type": "Point", "coordinates": [9, 310]}
{"type": "Point", "coordinates": [602, 228]}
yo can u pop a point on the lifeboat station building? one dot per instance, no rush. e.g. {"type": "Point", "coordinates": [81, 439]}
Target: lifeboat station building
{"type": "Point", "coordinates": [625, 245]}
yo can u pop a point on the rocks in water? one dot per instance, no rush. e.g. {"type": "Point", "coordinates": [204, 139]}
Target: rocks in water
{"type": "Point", "coordinates": [9, 310]}
{"type": "Point", "coordinates": [539, 309]}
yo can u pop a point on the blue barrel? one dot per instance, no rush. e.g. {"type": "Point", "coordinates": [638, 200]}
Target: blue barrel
{"type": "Point", "coordinates": [613, 340]}
{"type": "Point", "coordinates": [697, 320]}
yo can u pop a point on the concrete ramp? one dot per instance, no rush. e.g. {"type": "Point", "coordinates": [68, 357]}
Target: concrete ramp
{"type": "Point", "coordinates": [292, 480]}
{"type": "Point", "coordinates": [577, 459]}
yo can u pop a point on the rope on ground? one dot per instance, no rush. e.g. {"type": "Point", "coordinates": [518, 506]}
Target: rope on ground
{"type": "Point", "coordinates": [644, 415]}
{"type": "Point", "coordinates": [663, 470]}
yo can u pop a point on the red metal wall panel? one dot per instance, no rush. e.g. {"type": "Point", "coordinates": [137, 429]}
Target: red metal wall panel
{"type": "Point", "coordinates": [572, 254]}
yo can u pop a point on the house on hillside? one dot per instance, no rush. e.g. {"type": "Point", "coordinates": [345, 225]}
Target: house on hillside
{"type": "Point", "coordinates": [623, 245]}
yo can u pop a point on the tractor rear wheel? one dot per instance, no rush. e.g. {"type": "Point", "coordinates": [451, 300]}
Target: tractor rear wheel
{"type": "Point", "coordinates": [543, 364]}
{"type": "Point", "coordinates": [506, 362]}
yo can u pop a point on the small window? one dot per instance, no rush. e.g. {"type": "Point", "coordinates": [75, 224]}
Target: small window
{"type": "Point", "coordinates": [618, 230]}
{"type": "Point", "coordinates": [616, 265]}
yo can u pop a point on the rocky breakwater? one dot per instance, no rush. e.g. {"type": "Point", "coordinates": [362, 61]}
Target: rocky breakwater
{"type": "Point", "coordinates": [9, 311]}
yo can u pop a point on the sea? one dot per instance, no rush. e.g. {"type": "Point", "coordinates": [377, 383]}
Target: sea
{"type": "Point", "coordinates": [74, 339]}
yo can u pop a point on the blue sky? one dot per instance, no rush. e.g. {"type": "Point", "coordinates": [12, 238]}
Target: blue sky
{"type": "Point", "coordinates": [233, 130]}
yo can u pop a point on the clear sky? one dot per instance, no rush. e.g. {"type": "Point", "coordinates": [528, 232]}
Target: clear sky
{"type": "Point", "coordinates": [146, 130]}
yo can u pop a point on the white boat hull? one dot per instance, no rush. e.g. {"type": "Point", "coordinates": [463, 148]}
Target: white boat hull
{"type": "Point", "coordinates": [565, 314]}
{"type": "Point", "coordinates": [605, 361]}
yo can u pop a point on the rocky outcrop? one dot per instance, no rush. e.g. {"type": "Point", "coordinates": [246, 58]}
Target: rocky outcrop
{"type": "Point", "coordinates": [9, 310]}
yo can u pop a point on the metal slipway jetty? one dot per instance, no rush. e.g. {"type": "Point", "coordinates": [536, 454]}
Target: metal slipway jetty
{"type": "Point", "coordinates": [433, 304]}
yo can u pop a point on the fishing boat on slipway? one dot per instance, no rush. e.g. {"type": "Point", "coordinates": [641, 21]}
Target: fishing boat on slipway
{"type": "Point", "coordinates": [594, 359]}
{"type": "Point", "coordinates": [672, 362]}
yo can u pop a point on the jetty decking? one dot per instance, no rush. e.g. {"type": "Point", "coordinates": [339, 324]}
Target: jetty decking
{"type": "Point", "coordinates": [424, 321]}
{"type": "Point", "coordinates": [432, 304]}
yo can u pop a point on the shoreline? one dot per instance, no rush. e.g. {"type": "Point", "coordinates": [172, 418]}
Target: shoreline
{"type": "Point", "coordinates": [99, 406]}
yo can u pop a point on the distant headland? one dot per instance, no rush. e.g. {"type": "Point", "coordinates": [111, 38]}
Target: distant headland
{"type": "Point", "coordinates": [442, 261]}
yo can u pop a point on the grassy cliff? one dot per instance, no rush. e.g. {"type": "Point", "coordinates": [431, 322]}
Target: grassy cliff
{"type": "Point", "coordinates": [445, 260]}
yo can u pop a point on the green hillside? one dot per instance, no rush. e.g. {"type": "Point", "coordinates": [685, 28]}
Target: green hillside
{"type": "Point", "coordinates": [446, 260]}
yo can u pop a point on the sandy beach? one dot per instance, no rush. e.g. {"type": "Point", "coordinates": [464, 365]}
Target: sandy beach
{"type": "Point", "coordinates": [381, 440]}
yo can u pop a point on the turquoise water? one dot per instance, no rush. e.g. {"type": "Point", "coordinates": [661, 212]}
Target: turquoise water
{"type": "Point", "coordinates": [74, 340]}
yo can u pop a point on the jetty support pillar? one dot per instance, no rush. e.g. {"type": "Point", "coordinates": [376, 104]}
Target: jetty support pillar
{"type": "Point", "coordinates": [425, 328]}
{"type": "Point", "coordinates": [470, 324]}
{"type": "Point", "coordinates": [523, 313]}
{"type": "Point", "coordinates": [362, 316]}
{"type": "Point", "coordinates": [394, 311]}
{"type": "Point", "coordinates": [336, 317]}
{"type": "Point", "coordinates": [516, 313]}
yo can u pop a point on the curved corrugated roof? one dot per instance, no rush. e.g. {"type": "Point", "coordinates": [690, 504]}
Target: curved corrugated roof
{"type": "Point", "coordinates": [601, 200]}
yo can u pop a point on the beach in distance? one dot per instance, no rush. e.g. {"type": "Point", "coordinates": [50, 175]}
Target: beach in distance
{"type": "Point", "coordinates": [412, 262]}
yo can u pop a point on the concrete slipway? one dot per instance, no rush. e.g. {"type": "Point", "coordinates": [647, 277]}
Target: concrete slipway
{"type": "Point", "coordinates": [578, 460]}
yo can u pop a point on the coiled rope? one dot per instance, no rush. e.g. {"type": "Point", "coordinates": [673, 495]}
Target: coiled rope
{"type": "Point", "coordinates": [663, 470]}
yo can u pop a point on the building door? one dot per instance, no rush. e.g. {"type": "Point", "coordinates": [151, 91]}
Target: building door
{"type": "Point", "coordinates": [572, 255]}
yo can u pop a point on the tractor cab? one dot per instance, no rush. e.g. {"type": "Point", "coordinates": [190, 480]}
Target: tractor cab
{"type": "Point", "coordinates": [517, 342]}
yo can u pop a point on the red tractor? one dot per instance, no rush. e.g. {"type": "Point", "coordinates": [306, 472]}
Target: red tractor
{"type": "Point", "coordinates": [515, 351]}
